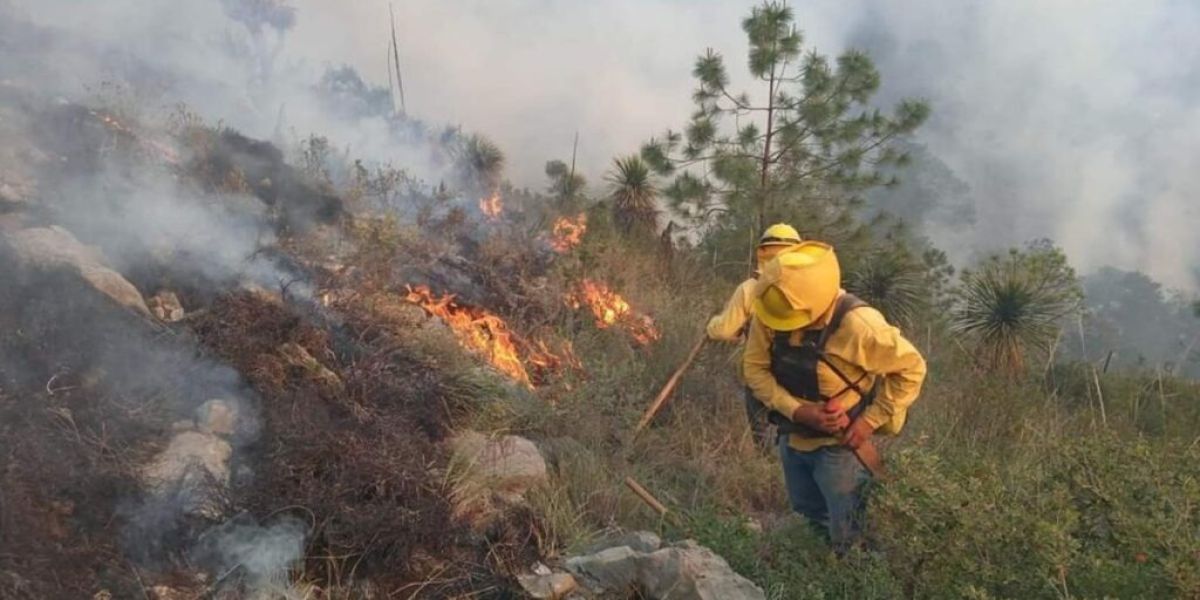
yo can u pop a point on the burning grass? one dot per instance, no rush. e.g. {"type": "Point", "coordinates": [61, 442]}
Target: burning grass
{"type": "Point", "coordinates": [492, 206]}
{"type": "Point", "coordinates": [485, 333]}
{"type": "Point", "coordinates": [567, 233]}
{"type": "Point", "coordinates": [611, 310]}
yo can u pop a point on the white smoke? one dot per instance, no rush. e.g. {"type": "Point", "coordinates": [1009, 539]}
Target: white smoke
{"type": "Point", "coordinates": [258, 556]}
{"type": "Point", "coordinates": [1067, 120]}
{"type": "Point", "coordinates": [1070, 121]}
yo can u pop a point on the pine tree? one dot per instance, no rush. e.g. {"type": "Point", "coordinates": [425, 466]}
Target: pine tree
{"type": "Point", "coordinates": [812, 137]}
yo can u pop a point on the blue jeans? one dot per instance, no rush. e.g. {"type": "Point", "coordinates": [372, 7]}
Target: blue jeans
{"type": "Point", "coordinates": [826, 486]}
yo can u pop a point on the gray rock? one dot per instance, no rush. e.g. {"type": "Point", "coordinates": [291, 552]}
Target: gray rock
{"type": "Point", "coordinates": [507, 465]}
{"type": "Point", "coordinates": [194, 465]}
{"type": "Point", "coordinates": [217, 417]}
{"type": "Point", "coordinates": [689, 571]}
{"type": "Point", "coordinates": [639, 541]}
{"type": "Point", "coordinates": [55, 248]}
{"type": "Point", "coordinates": [553, 586]}
{"type": "Point", "coordinates": [683, 571]}
{"type": "Point", "coordinates": [609, 570]}
{"type": "Point", "coordinates": [492, 475]}
{"type": "Point", "coordinates": [165, 307]}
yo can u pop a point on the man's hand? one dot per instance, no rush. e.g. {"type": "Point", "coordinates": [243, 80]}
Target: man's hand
{"type": "Point", "coordinates": [859, 432]}
{"type": "Point", "coordinates": [821, 417]}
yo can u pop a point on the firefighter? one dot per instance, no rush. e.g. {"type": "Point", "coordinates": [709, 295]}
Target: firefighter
{"type": "Point", "coordinates": [833, 372]}
{"type": "Point", "coordinates": [730, 324]}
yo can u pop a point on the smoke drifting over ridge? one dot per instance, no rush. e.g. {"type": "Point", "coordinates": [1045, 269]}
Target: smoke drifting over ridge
{"type": "Point", "coordinates": [1067, 120]}
{"type": "Point", "coordinates": [1070, 121]}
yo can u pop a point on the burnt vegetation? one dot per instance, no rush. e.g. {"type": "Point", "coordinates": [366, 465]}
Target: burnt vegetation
{"type": "Point", "coordinates": [298, 336]}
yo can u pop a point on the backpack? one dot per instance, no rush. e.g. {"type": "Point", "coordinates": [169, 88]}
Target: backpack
{"type": "Point", "coordinates": [795, 369]}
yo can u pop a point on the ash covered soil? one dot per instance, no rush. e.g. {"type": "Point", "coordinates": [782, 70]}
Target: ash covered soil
{"type": "Point", "coordinates": [207, 385]}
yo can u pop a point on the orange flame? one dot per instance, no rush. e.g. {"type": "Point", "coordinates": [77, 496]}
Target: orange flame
{"type": "Point", "coordinates": [609, 308]}
{"type": "Point", "coordinates": [540, 356]}
{"type": "Point", "coordinates": [481, 331]}
{"type": "Point", "coordinates": [568, 233]}
{"type": "Point", "coordinates": [492, 206]}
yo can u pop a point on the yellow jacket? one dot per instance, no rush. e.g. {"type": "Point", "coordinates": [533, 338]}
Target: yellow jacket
{"type": "Point", "coordinates": [727, 326]}
{"type": "Point", "coordinates": [864, 344]}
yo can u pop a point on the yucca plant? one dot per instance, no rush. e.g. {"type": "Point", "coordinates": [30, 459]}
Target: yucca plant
{"type": "Point", "coordinates": [1013, 305]}
{"type": "Point", "coordinates": [480, 162]}
{"type": "Point", "coordinates": [893, 281]}
{"type": "Point", "coordinates": [633, 196]}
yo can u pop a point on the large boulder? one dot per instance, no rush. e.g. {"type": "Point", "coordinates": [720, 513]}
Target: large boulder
{"type": "Point", "coordinates": [639, 541]}
{"type": "Point", "coordinates": [492, 474]}
{"type": "Point", "coordinates": [509, 465]}
{"type": "Point", "coordinates": [194, 469]}
{"type": "Point", "coordinates": [682, 571]}
{"type": "Point", "coordinates": [615, 569]}
{"type": "Point", "coordinates": [55, 248]}
{"type": "Point", "coordinates": [689, 571]}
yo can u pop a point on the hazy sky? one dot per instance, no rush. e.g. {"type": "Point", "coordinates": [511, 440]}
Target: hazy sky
{"type": "Point", "coordinates": [1070, 119]}
{"type": "Point", "coordinates": [1077, 120]}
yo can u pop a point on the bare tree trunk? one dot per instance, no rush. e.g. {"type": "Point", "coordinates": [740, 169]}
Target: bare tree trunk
{"type": "Point", "coordinates": [396, 63]}
{"type": "Point", "coordinates": [766, 157]}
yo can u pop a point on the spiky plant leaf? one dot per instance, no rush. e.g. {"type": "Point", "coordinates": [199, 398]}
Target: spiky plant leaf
{"type": "Point", "coordinates": [633, 195]}
{"type": "Point", "coordinates": [1013, 305]}
{"type": "Point", "coordinates": [479, 162]}
{"type": "Point", "coordinates": [893, 281]}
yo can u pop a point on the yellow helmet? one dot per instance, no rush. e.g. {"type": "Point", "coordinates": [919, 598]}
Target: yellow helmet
{"type": "Point", "coordinates": [779, 234]}
{"type": "Point", "coordinates": [797, 286]}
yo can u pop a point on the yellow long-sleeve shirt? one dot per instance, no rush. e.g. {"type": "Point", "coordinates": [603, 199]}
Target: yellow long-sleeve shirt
{"type": "Point", "coordinates": [864, 344]}
{"type": "Point", "coordinates": [727, 325]}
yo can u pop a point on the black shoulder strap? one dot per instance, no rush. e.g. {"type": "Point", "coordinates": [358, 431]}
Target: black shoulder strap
{"type": "Point", "coordinates": [845, 304]}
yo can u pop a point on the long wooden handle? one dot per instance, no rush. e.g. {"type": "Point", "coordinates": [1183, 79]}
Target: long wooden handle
{"type": "Point", "coordinates": [646, 496]}
{"type": "Point", "coordinates": [661, 399]}
{"type": "Point", "coordinates": [868, 455]}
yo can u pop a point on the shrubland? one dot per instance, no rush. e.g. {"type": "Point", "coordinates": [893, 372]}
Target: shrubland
{"type": "Point", "coordinates": [1025, 470]}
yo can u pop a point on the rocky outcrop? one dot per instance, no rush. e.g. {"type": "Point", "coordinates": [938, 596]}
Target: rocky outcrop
{"type": "Point", "coordinates": [682, 571]}
{"type": "Point", "coordinates": [165, 307]}
{"type": "Point", "coordinates": [53, 247]}
{"type": "Point", "coordinates": [493, 473]}
{"type": "Point", "coordinates": [507, 465]}
{"type": "Point", "coordinates": [194, 467]}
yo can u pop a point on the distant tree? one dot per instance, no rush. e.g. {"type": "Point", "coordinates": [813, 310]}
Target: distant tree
{"type": "Point", "coordinates": [1132, 316]}
{"type": "Point", "coordinates": [260, 18]}
{"type": "Point", "coordinates": [1013, 305]}
{"type": "Point", "coordinates": [902, 276]}
{"type": "Point", "coordinates": [633, 196]}
{"type": "Point", "coordinates": [930, 194]}
{"type": "Point", "coordinates": [811, 137]}
{"type": "Point", "coordinates": [564, 184]}
{"type": "Point", "coordinates": [479, 162]}
{"type": "Point", "coordinates": [257, 15]}
{"type": "Point", "coordinates": [344, 92]}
